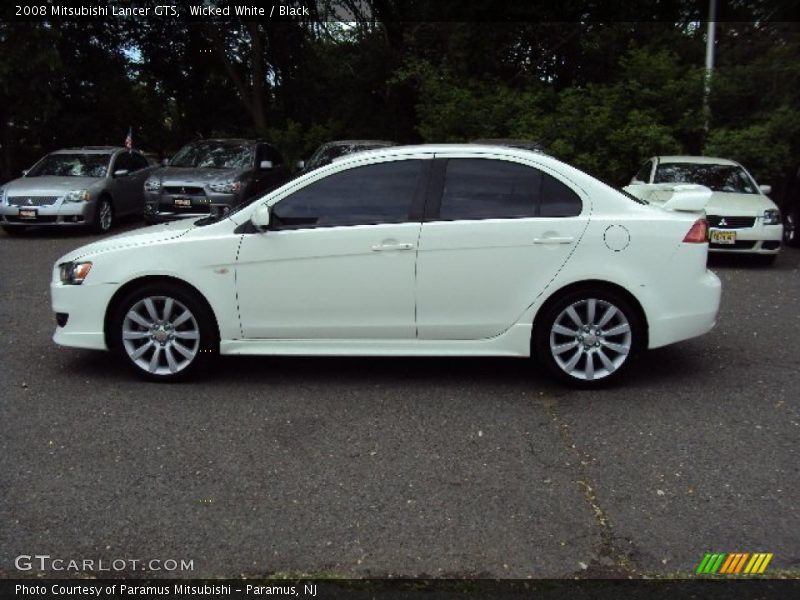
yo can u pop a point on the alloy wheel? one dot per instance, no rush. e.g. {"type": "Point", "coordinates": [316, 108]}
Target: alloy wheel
{"type": "Point", "coordinates": [590, 339]}
{"type": "Point", "coordinates": [160, 335]}
{"type": "Point", "coordinates": [790, 229]}
{"type": "Point", "coordinates": [105, 215]}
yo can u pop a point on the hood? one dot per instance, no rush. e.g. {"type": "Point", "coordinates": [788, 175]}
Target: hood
{"type": "Point", "coordinates": [49, 185]}
{"type": "Point", "coordinates": [727, 204]}
{"type": "Point", "coordinates": [193, 175]}
{"type": "Point", "coordinates": [138, 237]}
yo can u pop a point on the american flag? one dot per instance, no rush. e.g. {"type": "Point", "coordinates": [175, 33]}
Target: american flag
{"type": "Point", "coordinates": [129, 139]}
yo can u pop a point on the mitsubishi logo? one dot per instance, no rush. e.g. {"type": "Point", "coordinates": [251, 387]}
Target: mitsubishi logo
{"type": "Point", "coordinates": [30, 201]}
{"type": "Point", "coordinates": [723, 222]}
{"type": "Point", "coordinates": [183, 190]}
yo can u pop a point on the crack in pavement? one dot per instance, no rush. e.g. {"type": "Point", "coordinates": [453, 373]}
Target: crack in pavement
{"type": "Point", "coordinates": [610, 560]}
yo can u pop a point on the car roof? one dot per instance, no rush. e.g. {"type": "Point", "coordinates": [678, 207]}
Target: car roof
{"type": "Point", "coordinates": [89, 150]}
{"type": "Point", "coordinates": [227, 141]}
{"type": "Point", "coordinates": [354, 142]}
{"type": "Point", "coordinates": [442, 149]}
{"type": "Point", "coordinates": [699, 160]}
{"type": "Point", "coordinates": [519, 143]}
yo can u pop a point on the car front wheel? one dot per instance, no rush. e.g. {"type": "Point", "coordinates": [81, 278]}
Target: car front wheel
{"type": "Point", "coordinates": [791, 234]}
{"type": "Point", "coordinates": [163, 332]}
{"type": "Point", "coordinates": [103, 216]}
{"type": "Point", "coordinates": [587, 338]}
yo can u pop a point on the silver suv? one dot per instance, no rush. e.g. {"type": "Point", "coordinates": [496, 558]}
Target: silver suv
{"type": "Point", "coordinates": [89, 186]}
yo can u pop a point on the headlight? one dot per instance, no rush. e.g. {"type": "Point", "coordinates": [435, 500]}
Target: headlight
{"type": "Point", "coordinates": [73, 273]}
{"type": "Point", "coordinates": [227, 186]}
{"type": "Point", "coordinates": [77, 196]}
{"type": "Point", "coordinates": [153, 184]}
{"type": "Point", "coordinates": [772, 216]}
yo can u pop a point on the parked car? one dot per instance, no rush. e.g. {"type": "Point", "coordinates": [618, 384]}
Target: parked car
{"type": "Point", "coordinates": [741, 217]}
{"type": "Point", "coordinates": [211, 176]}
{"type": "Point", "coordinates": [512, 143]}
{"type": "Point", "coordinates": [789, 194]}
{"type": "Point", "coordinates": [329, 151]}
{"type": "Point", "coordinates": [434, 250]}
{"type": "Point", "coordinates": [92, 185]}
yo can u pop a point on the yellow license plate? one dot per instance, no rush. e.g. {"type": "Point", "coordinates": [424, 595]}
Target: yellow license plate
{"type": "Point", "coordinates": [723, 237]}
{"type": "Point", "coordinates": [27, 213]}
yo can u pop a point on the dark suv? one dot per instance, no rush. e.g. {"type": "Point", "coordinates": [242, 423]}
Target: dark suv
{"type": "Point", "coordinates": [212, 176]}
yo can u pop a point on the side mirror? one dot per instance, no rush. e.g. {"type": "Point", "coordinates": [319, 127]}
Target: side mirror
{"type": "Point", "coordinates": [164, 162]}
{"type": "Point", "coordinates": [265, 165]}
{"type": "Point", "coordinates": [121, 172]}
{"type": "Point", "coordinates": [260, 217]}
{"type": "Point", "coordinates": [301, 165]}
{"type": "Point", "coordinates": [765, 189]}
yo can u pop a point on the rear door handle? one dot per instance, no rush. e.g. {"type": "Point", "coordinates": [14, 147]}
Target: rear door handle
{"type": "Point", "coordinates": [554, 240]}
{"type": "Point", "coordinates": [392, 247]}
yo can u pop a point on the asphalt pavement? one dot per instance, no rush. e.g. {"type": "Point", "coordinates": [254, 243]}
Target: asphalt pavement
{"type": "Point", "coordinates": [404, 467]}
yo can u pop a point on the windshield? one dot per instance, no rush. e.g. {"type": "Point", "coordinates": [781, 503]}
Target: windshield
{"type": "Point", "coordinates": [214, 155]}
{"type": "Point", "coordinates": [719, 178]}
{"type": "Point", "coordinates": [71, 165]}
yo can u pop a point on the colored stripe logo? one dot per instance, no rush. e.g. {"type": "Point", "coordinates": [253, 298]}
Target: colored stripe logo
{"type": "Point", "coordinates": [734, 564]}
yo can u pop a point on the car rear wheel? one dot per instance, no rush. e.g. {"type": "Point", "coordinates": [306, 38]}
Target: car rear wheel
{"type": "Point", "coordinates": [587, 338]}
{"type": "Point", "coordinates": [791, 234]}
{"type": "Point", "coordinates": [163, 332]}
{"type": "Point", "coordinates": [103, 216]}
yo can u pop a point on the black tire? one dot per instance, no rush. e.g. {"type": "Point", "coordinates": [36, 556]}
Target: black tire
{"type": "Point", "coordinates": [201, 321]}
{"type": "Point", "coordinates": [603, 349]}
{"type": "Point", "coordinates": [791, 228]}
{"type": "Point", "coordinates": [103, 221]}
{"type": "Point", "coordinates": [14, 230]}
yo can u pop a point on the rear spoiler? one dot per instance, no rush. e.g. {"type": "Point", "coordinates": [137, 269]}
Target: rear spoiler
{"type": "Point", "coordinates": [684, 197]}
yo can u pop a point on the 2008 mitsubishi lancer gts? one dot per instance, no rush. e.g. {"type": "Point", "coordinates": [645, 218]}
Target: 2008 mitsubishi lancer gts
{"type": "Point", "coordinates": [434, 250]}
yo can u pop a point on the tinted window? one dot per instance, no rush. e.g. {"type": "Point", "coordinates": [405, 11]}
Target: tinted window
{"type": "Point", "coordinates": [138, 161]}
{"type": "Point", "coordinates": [267, 152]}
{"type": "Point", "coordinates": [124, 161]}
{"type": "Point", "coordinates": [493, 189]}
{"type": "Point", "coordinates": [644, 173]}
{"type": "Point", "coordinates": [558, 200]}
{"type": "Point", "coordinates": [380, 193]}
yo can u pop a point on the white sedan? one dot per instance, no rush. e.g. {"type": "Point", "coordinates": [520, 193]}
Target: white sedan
{"type": "Point", "coordinates": [741, 217]}
{"type": "Point", "coordinates": [445, 250]}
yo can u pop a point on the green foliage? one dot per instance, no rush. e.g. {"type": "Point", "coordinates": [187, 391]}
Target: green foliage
{"type": "Point", "coordinates": [653, 106]}
{"type": "Point", "coordinates": [766, 148]}
{"type": "Point", "coordinates": [601, 95]}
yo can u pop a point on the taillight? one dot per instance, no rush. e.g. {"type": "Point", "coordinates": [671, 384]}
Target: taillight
{"type": "Point", "coordinates": [698, 234]}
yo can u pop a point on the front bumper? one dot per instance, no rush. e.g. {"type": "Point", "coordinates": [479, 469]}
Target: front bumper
{"type": "Point", "coordinates": [759, 239]}
{"type": "Point", "coordinates": [66, 214]}
{"type": "Point", "coordinates": [161, 206]}
{"type": "Point", "coordinates": [82, 309]}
